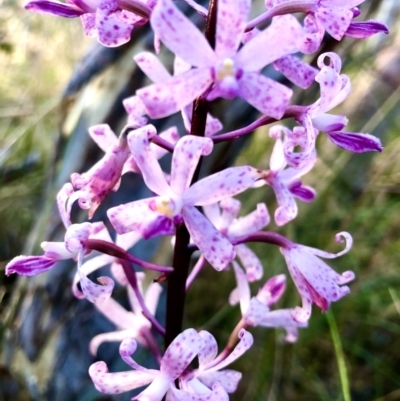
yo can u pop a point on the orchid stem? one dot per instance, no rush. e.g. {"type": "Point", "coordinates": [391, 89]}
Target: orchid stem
{"type": "Point", "coordinates": [177, 279]}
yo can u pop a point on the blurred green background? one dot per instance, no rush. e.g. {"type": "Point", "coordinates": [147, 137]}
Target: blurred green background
{"type": "Point", "coordinates": [353, 352]}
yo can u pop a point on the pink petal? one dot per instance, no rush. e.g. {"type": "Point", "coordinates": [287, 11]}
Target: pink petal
{"type": "Point", "coordinates": [54, 8]}
{"type": "Point", "coordinates": [356, 142]}
{"type": "Point", "coordinates": [115, 383]}
{"type": "Point", "coordinates": [152, 296]}
{"type": "Point", "coordinates": [179, 35]}
{"type": "Point", "coordinates": [152, 67]}
{"type": "Point", "coordinates": [228, 379]}
{"type": "Point", "coordinates": [135, 108]}
{"type": "Point", "coordinates": [255, 312]}
{"type": "Point", "coordinates": [104, 136]}
{"type": "Point", "coordinates": [62, 197]}
{"type": "Point", "coordinates": [139, 216]}
{"type": "Point", "coordinates": [231, 22]}
{"type": "Point", "coordinates": [117, 314]}
{"type": "Point", "coordinates": [167, 98]}
{"type": "Point", "coordinates": [29, 265]}
{"type": "Point", "coordinates": [215, 247]}
{"type": "Point", "coordinates": [272, 290]}
{"type": "Point", "coordinates": [146, 160]}
{"type": "Point", "coordinates": [278, 40]}
{"type": "Point", "coordinates": [111, 31]}
{"type": "Point", "coordinates": [277, 161]}
{"type": "Point", "coordinates": [185, 158]}
{"type": "Point", "coordinates": [266, 95]}
{"type": "Point", "coordinates": [335, 20]}
{"type": "Point", "coordinates": [245, 342]}
{"type": "Point", "coordinates": [230, 208]}
{"type": "Point", "coordinates": [287, 209]}
{"type": "Point", "coordinates": [89, 24]}
{"type": "Point", "coordinates": [218, 186]}
{"type": "Point", "coordinates": [250, 223]}
{"type": "Point", "coordinates": [94, 292]}
{"type": "Point", "coordinates": [296, 71]}
{"type": "Point", "coordinates": [243, 288]}
{"type": "Point", "coordinates": [209, 350]}
{"type": "Point", "coordinates": [113, 336]}
{"type": "Point", "coordinates": [126, 349]}
{"type": "Point", "coordinates": [89, 267]}
{"type": "Point", "coordinates": [180, 353]}
{"type": "Point", "coordinates": [250, 261]}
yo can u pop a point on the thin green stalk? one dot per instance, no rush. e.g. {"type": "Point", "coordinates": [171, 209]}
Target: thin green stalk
{"type": "Point", "coordinates": [344, 378]}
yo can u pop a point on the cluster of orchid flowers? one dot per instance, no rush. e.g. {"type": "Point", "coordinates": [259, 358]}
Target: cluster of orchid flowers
{"type": "Point", "coordinates": [226, 63]}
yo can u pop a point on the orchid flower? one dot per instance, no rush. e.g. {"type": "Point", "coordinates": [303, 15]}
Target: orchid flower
{"type": "Point", "coordinates": [153, 68]}
{"type": "Point", "coordinates": [111, 21]}
{"type": "Point", "coordinates": [176, 201]}
{"type": "Point", "coordinates": [105, 176]}
{"type": "Point", "coordinates": [176, 359]}
{"type": "Point", "coordinates": [224, 218]}
{"type": "Point", "coordinates": [315, 280]}
{"type": "Point", "coordinates": [256, 310]}
{"type": "Point", "coordinates": [210, 371]}
{"type": "Point", "coordinates": [228, 72]}
{"type": "Point", "coordinates": [334, 90]}
{"type": "Point", "coordinates": [73, 247]}
{"type": "Point", "coordinates": [129, 324]}
{"type": "Point", "coordinates": [285, 181]}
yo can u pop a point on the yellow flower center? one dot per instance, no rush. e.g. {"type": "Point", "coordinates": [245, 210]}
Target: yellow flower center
{"type": "Point", "coordinates": [226, 69]}
{"type": "Point", "coordinates": [165, 206]}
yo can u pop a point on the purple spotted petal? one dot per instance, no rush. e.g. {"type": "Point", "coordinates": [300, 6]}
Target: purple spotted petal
{"type": "Point", "coordinates": [272, 290]}
{"type": "Point", "coordinates": [296, 71]}
{"type": "Point", "coordinates": [250, 262]}
{"type": "Point", "coordinates": [287, 209]}
{"type": "Point", "coordinates": [111, 31]}
{"type": "Point", "coordinates": [179, 35]}
{"type": "Point", "coordinates": [209, 350]}
{"type": "Point", "coordinates": [267, 96]}
{"type": "Point", "coordinates": [335, 20]}
{"type": "Point", "coordinates": [228, 379]}
{"type": "Point", "coordinates": [185, 158]}
{"type": "Point", "coordinates": [250, 223]}
{"type": "Point", "coordinates": [355, 142]}
{"type": "Point", "coordinates": [215, 247]}
{"type": "Point", "coordinates": [29, 265]}
{"type": "Point", "coordinates": [54, 8]}
{"type": "Point", "coordinates": [115, 383]}
{"type": "Point", "coordinates": [152, 67]}
{"type": "Point", "coordinates": [230, 208]}
{"type": "Point", "coordinates": [231, 22]}
{"type": "Point", "coordinates": [274, 42]}
{"type": "Point", "coordinates": [180, 353]}
{"type": "Point", "coordinates": [104, 136]}
{"type": "Point", "coordinates": [139, 144]}
{"type": "Point", "coordinates": [89, 24]}
{"type": "Point", "coordinates": [140, 216]}
{"type": "Point", "coordinates": [226, 183]}
{"type": "Point", "coordinates": [167, 98]}
{"type": "Point", "coordinates": [365, 29]}
{"type": "Point", "coordinates": [245, 342]}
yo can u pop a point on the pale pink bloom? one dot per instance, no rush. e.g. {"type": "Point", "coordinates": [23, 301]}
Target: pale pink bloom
{"type": "Point", "coordinates": [256, 310]}
{"type": "Point", "coordinates": [224, 217]}
{"type": "Point", "coordinates": [210, 371]}
{"type": "Point", "coordinates": [315, 280]}
{"type": "Point", "coordinates": [132, 324]}
{"type": "Point", "coordinates": [153, 68]}
{"type": "Point", "coordinates": [285, 181]}
{"type": "Point", "coordinates": [175, 201]}
{"type": "Point", "coordinates": [73, 247]}
{"type": "Point", "coordinates": [111, 21]}
{"type": "Point", "coordinates": [227, 71]}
